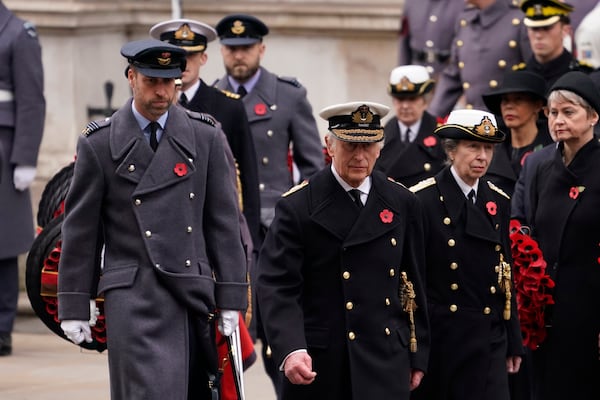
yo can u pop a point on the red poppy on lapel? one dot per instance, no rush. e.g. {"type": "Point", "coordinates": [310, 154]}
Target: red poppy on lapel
{"type": "Point", "coordinates": [430, 141]}
{"type": "Point", "coordinates": [386, 216]}
{"type": "Point", "coordinates": [180, 169]}
{"type": "Point", "coordinates": [491, 207]}
{"type": "Point", "coordinates": [260, 109]}
{"type": "Point", "coordinates": [575, 190]}
{"type": "Point", "coordinates": [527, 153]}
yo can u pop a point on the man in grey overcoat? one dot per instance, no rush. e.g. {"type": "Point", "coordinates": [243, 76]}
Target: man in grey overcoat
{"type": "Point", "coordinates": [152, 185]}
{"type": "Point", "coordinates": [22, 113]}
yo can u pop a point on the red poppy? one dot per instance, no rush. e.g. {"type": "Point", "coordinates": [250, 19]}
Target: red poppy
{"type": "Point", "coordinates": [441, 120]}
{"type": "Point", "coordinates": [180, 169]}
{"type": "Point", "coordinates": [574, 193]}
{"type": "Point", "coordinates": [491, 207]}
{"type": "Point", "coordinates": [260, 109]}
{"type": "Point", "coordinates": [527, 153]}
{"type": "Point", "coordinates": [430, 141]}
{"type": "Point", "coordinates": [386, 216]}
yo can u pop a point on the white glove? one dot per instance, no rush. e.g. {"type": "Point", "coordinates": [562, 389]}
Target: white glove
{"type": "Point", "coordinates": [77, 331]}
{"type": "Point", "coordinates": [23, 176]}
{"type": "Point", "coordinates": [228, 321]}
{"type": "Point", "coordinates": [94, 312]}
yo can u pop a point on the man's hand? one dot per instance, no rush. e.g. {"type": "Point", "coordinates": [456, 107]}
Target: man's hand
{"type": "Point", "coordinates": [77, 331]}
{"type": "Point", "coordinates": [416, 375]}
{"type": "Point", "coordinates": [298, 369]}
{"type": "Point", "coordinates": [513, 364]}
{"type": "Point", "coordinates": [23, 177]}
{"type": "Point", "coordinates": [228, 321]}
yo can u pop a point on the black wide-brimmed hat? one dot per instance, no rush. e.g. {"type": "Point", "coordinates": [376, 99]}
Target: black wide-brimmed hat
{"type": "Point", "coordinates": [476, 125]}
{"type": "Point", "coordinates": [581, 84]}
{"type": "Point", "coordinates": [516, 82]}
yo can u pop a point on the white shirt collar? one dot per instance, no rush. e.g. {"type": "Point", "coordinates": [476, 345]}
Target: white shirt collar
{"type": "Point", "coordinates": [463, 186]}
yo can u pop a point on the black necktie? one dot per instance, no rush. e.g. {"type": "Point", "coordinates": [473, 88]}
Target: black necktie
{"type": "Point", "coordinates": [242, 91]}
{"type": "Point", "coordinates": [153, 140]}
{"type": "Point", "coordinates": [183, 100]}
{"type": "Point", "coordinates": [471, 196]}
{"type": "Point", "coordinates": [355, 193]}
{"type": "Point", "coordinates": [406, 136]}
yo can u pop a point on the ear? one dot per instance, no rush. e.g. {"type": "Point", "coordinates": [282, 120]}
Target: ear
{"type": "Point", "coordinates": [203, 58]}
{"type": "Point", "coordinates": [329, 145]}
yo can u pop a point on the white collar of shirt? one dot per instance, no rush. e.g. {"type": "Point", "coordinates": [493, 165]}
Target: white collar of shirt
{"type": "Point", "coordinates": [414, 129]}
{"type": "Point", "coordinates": [463, 186]}
{"type": "Point", "coordinates": [143, 122]}
{"type": "Point", "coordinates": [248, 85]}
{"type": "Point", "coordinates": [191, 91]}
{"type": "Point", "coordinates": [364, 187]}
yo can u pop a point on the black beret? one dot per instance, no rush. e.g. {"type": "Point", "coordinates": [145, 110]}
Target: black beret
{"type": "Point", "coordinates": [241, 30]}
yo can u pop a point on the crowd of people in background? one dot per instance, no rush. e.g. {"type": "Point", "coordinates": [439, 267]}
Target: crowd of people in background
{"type": "Point", "coordinates": [386, 266]}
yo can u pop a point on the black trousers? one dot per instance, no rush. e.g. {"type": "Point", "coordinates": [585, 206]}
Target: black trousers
{"type": "Point", "coordinates": [9, 293]}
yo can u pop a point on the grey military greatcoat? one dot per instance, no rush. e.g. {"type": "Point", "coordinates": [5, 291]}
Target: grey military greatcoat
{"type": "Point", "coordinates": [172, 245]}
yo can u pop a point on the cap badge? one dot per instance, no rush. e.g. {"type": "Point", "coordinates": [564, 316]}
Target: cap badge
{"type": "Point", "coordinates": [485, 128]}
{"type": "Point", "coordinates": [164, 59]}
{"type": "Point", "coordinates": [405, 84]}
{"type": "Point", "coordinates": [238, 27]}
{"type": "Point", "coordinates": [362, 115]}
{"type": "Point", "coordinates": [538, 10]}
{"type": "Point", "coordinates": [184, 32]}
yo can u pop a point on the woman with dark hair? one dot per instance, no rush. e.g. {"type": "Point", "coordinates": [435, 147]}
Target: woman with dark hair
{"type": "Point", "coordinates": [565, 195]}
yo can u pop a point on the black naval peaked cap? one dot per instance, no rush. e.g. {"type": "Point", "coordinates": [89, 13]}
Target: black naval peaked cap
{"type": "Point", "coordinates": [580, 84]}
{"type": "Point", "coordinates": [539, 13]}
{"type": "Point", "coordinates": [154, 58]}
{"type": "Point", "coordinates": [193, 36]}
{"type": "Point", "coordinates": [516, 82]}
{"type": "Point", "coordinates": [357, 122]}
{"type": "Point", "coordinates": [476, 125]}
{"type": "Point", "coordinates": [241, 30]}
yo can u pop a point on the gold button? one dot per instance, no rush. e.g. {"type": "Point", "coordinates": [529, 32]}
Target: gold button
{"type": "Point", "coordinates": [433, 18]}
{"type": "Point", "coordinates": [131, 168]}
{"type": "Point", "coordinates": [493, 83]}
{"type": "Point", "coordinates": [453, 308]}
{"type": "Point", "coordinates": [466, 85]}
{"type": "Point", "coordinates": [189, 229]}
{"type": "Point", "coordinates": [261, 187]}
{"type": "Point", "coordinates": [498, 247]}
{"type": "Point", "coordinates": [188, 263]}
{"type": "Point", "coordinates": [447, 221]}
{"type": "Point", "coordinates": [501, 63]}
{"type": "Point", "coordinates": [497, 226]}
{"type": "Point", "coordinates": [497, 268]}
{"type": "Point", "coordinates": [148, 234]}
{"type": "Point", "coordinates": [351, 335]}
{"type": "Point", "coordinates": [265, 160]}
{"type": "Point", "coordinates": [429, 43]}
{"type": "Point", "coordinates": [451, 242]}
{"type": "Point", "coordinates": [349, 305]}
{"type": "Point", "coordinates": [392, 272]}
{"type": "Point", "coordinates": [192, 195]}
{"type": "Point", "coordinates": [487, 310]}
{"type": "Point", "coordinates": [442, 199]}
{"type": "Point", "coordinates": [463, 23]}
{"type": "Point", "coordinates": [388, 332]}
{"type": "Point", "coordinates": [454, 286]}
{"type": "Point", "coordinates": [427, 166]}
{"type": "Point", "coordinates": [469, 106]}
{"type": "Point", "coordinates": [453, 266]}
{"type": "Point", "coordinates": [516, 21]}
{"type": "Point", "coordinates": [269, 133]}
{"type": "Point", "coordinates": [393, 242]}
{"type": "Point", "coordinates": [512, 44]}
{"type": "Point", "coordinates": [346, 275]}
{"type": "Point", "coordinates": [273, 107]}
{"type": "Point", "coordinates": [459, 43]}
{"type": "Point", "coordinates": [137, 202]}
{"type": "Point", "coordinates": [461, 64]}
{"type": "Point", "coordinates": [387, 301]}
{"type": "Point", "coordinates": [493, 289]}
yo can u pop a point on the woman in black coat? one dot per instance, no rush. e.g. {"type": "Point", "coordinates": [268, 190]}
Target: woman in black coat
{"type": "Point", "coordinates": [475, 336]}
{"type": "Point", "coordinates": [566, 222]}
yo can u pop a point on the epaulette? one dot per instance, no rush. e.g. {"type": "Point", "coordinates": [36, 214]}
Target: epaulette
{"type": "Point", "coordinates": [206, 118]}
{"type": "Point", "coordinates": [230, 94]}
{"type": "Point", "coordinates": [30, 29]}
{"type": "Point", "coordinates": [583, 66]}
{"type": "Point", "coordinates": [395, 181]}
{"type": "Point", "coordinates": [296, 188]}
{"type": "Point", "coordinates": [519, 66]}
{"type": "Point", "coordinates": [93, 126]}
{"type": "Point", "coordinates": [422, 185]}
{"type": "Point", "coordinates": [291, 80]}
{"type": "Point", "coordinates": [497, 190]}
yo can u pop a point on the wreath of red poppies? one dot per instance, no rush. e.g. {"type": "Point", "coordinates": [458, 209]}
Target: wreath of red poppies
{"type": "Point", "coordinates": [532, 285]}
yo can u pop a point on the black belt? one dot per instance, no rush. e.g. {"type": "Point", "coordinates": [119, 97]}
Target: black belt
{"type": "Point", "coordinates": [430, 56]}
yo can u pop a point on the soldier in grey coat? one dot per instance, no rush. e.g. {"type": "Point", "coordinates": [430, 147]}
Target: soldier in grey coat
{"type": "Point", "coordinates": [489, 40]}
{"type": "Point", "coordinates": [153, 186]}
{"type": "Point", "coordinates": [22, 113]}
